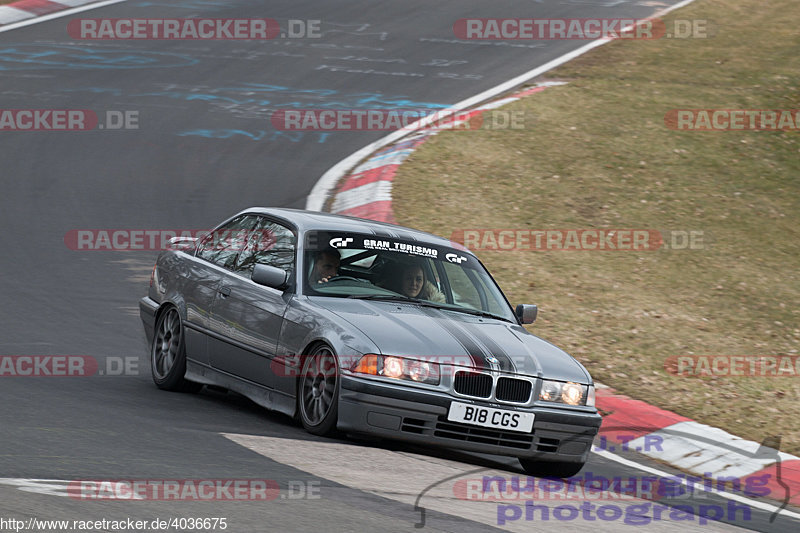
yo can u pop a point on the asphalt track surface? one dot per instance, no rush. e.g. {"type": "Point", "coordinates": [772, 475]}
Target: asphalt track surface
{"type": "Point", "coordinates": [205, 149]}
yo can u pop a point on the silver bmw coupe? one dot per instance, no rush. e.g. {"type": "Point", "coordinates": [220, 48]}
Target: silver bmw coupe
{"type": "Point", "coordinates": [363, 327]}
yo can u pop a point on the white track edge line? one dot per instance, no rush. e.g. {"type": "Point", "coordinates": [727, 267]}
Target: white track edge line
{"type": "Point", "coordinates": [57, 14]}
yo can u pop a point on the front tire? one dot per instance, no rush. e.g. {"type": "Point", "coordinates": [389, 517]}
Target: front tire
{"type": "Point", "coordinates": [168, 354]}
{"type": "Point", "coordinates": [318, 392]}
{"type": "Point", "coordinates": [555, 469]}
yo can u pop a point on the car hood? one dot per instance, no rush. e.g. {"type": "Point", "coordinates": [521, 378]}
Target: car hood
{"type": "Point", "coordinates": [449, 336]}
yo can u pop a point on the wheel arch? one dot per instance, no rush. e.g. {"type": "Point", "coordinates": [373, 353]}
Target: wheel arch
{"type": "Point", "coordinates": [312, 345]}
{"type": "Point", "coordinates": [166, 303]}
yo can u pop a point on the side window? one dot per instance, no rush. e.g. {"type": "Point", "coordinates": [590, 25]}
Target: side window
{"type": "Point", "coordinates": [472, 288]}
{"type": "Point", "coordinates": [223, 245]}
{"type": "Point", "coordinates": [490, 303]}
{"type": "Point", "coordinates": [270, 244]}
{"type": "Point", "coordinates": [464, 291]}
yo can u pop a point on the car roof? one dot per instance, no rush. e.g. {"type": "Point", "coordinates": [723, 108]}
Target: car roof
{"type": "Point", "coordinates": [315, 220]}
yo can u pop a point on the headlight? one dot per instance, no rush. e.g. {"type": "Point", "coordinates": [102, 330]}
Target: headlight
{"type": "Point", "coordinates": [569, 393]}
{"type": "Point", "coordinates": [573, 394]}
{"type": "Point", "coordinates": [551, 391]}
{"type": "Point", "coordinates": [393, 367]}
{"type": "Point", "coordinates": [398, 368]}
{"type": "Point", "coordinates": [421, 371]}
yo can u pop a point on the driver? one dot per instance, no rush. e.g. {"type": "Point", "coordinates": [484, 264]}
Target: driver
{"type": "Point", "coordinates": [326, 265]}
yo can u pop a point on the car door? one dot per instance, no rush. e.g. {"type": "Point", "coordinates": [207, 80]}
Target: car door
{"type": "Point", "coordinates": [203, 275]}
{"type": "Point", "coordinates": [252, 314]}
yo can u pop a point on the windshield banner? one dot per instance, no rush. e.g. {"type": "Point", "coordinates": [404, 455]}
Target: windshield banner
{"type": "Point", "coordinates": [316, 241]}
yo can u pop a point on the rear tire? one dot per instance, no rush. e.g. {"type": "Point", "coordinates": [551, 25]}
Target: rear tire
{"type": "Point", "coordinates": [556, 469]}
{"type": "Point", "coordinates": [168, 354]}
{"type": "Point", "coordinates": [318, 392]}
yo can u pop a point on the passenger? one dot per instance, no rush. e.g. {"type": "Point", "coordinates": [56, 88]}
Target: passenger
{"type": "Point", "coordinates": [326, 265]}
{"type": "Point", "coordinates": [414, 285]}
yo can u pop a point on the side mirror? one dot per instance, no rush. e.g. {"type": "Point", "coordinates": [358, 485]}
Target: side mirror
{"type": "Point", "coordinates": [184, 244]}
{"type": "Point", "coordinates": [527, 313]}
{"type": "Point", "coordinates": [270, 276]}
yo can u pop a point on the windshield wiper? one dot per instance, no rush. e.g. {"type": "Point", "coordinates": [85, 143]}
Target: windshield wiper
{"type": "Point", "coordinates": [478, 312]}
{"type": "Point", "coordinates": [393, 297]}
{"type": "Point", "coordinates": [400, 298]}
{"type": "Point", "coordinates": [427, 303]}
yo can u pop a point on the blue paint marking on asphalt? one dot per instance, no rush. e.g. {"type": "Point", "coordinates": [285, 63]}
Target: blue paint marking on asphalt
{"type": "Point", "coordinates": [247, 100]}
{"type": "Point", "coordinates": [39, 56]}
{"type": "Point", "coordinates": [378, 101]}
{"type": "Point", "coordinates": [189, 97]}
{"type": "Point", "coordinates": [251, 94]}
{"type": "Point", "coordinates": [249, 88]}
{"type": "Point", "coordinates": [224, 134]}
{"type": "Point", "coordinates": [258, 135]}
{"type": "Point", "coordinates": [352, 101]}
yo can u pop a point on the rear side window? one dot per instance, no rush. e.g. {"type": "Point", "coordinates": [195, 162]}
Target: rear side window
{"type": "Point", "coordinates": [270, 244]}
{"type": "Point", "coordinates": [222, 246]}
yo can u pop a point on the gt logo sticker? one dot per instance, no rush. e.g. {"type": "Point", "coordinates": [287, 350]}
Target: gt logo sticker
{"type": "Point", "coordinates": [455, 258]}
{"type": "Point", "coordinates": [339, 242]}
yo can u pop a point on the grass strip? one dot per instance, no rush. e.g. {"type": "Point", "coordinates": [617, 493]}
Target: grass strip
{"type": "Point", "coordinates": [596, 153]}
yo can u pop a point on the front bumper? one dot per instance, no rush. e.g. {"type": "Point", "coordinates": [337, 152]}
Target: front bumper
{"type": "Point", "coordinates": [414, 415]}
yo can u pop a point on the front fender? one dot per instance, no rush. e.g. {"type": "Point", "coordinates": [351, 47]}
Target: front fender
{"type": "Point", "coordinates": [305, 324]}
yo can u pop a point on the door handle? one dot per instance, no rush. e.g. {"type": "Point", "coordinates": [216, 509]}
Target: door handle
{"type": "Point", "coordinates": [225, 291]}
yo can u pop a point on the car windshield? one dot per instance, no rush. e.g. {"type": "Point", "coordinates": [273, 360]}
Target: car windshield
{"type": "Point", "coordinates": [363, 266]}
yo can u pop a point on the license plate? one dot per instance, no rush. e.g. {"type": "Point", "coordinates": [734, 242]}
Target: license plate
{"type": "Point", "coordinates": [490, 417]}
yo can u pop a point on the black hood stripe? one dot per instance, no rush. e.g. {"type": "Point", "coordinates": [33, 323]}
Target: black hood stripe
{"type": "Point", "coordinates": [506, 361]}
{"type": "Point", "coordinates": [469, 344]}
{"type": "Point", "coordinates": [477, 350]}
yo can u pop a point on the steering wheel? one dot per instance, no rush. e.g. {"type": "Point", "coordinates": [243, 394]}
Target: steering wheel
{"type": "Point", "coordinates": [350, 278]}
